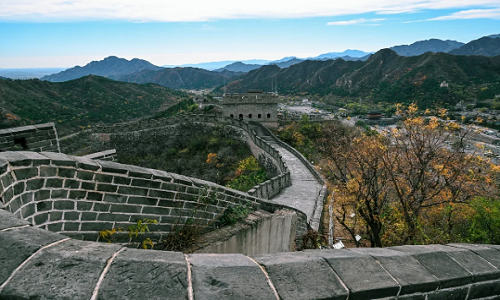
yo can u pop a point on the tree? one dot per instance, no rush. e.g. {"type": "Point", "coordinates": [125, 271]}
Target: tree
{"type": "Point", "coordinates": [387, 185]}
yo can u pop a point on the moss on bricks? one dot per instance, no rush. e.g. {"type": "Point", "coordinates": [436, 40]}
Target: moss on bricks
{"type": "Point", "coordinates": [64, 205]}
{"type": "Point", "coordinates": [26, 173]}
{"type": "Point", "coordinates": [66, 173]}
{"type": "Point", "coordinates": [44, 206]}
{"type": "Point", "coordinates": [53, 183]}
{"type": "Point", "coordinates": [107, 188]}
{"type": "Point", "coordinates": [59, 194]}
{"type": "Point", "coordinates": [71, 184]}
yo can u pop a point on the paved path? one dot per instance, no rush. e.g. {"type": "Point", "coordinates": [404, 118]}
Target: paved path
{"type": "Point", "coordinates": [305, 188]}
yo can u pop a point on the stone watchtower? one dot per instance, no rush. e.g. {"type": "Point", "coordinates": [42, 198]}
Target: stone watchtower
{"type": "Point", "coordinates": [253, 105]}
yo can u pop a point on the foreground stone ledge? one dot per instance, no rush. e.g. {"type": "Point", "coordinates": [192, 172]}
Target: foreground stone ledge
{"type": "Point", "coordinates": [69, 270]}
{"type": "Point", "coordinates": [140, 274]}
{"type": "Point", "coordinates": [228, 276]}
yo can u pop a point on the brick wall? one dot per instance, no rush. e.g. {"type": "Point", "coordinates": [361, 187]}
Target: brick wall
{"type": "Point", "coordinates": [41, 137]}
{"type": "Point", "coordinates": [79, 197]}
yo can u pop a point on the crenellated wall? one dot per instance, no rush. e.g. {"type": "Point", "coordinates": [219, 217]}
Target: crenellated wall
{"type": "Point", "coordinates": [79, 197]}
{"type": "Point", "coordinates": [41, 137]}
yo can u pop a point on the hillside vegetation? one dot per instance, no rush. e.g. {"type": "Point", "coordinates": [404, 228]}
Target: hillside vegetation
{"type": "Point", "coordinates": [80, 103]}
{"type": "Point", "coordinates": [384, 77]}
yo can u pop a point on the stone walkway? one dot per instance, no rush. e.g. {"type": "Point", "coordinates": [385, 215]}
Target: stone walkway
{"type": "Point", "coordinates": [305, 188]}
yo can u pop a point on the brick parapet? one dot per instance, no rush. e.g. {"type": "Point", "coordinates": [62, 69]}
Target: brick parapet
{"type": "Point", "coordinates": [69, 194]}
{"type": "Point", "coordinates": [41, 137]}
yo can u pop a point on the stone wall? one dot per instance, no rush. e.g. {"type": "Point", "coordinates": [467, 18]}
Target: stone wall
{"type": "Point", "coordinates": [41, 137]}
{"type": "Point", "coordinates": [127, 137]}
{"type": "Point", "coordinates": [260, 233]}
{"type": "Point", "coordinates": [38, 264]}
{"type": "Point", "coordinates": [79, 197]}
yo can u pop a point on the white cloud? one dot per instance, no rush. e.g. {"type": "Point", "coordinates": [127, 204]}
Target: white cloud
{"type": "Point", "coordinates": [471, 14]}
{"type": "Point", "coordinates": [203, 10]}
{"type": "Point", "coordinates": [353, 22]}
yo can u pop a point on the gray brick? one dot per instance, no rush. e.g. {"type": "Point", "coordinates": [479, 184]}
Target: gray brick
{"type": "Point", "coordinates": [8, 195]}
{"type": "Point", "coordinates": [132, 191]}
{"type": "Point", "coordinates": [94, 196]}
{"type": "Point", "coordinates": [53, 183]}
{"type": "Point", "coordinates": [55, 216]}
{"type": "Point", "coordinates": [107, 188]}
{"type": "Point", "coordinates": [48, 171]}
{"type": "Point", "coordinates": [44, 206]}
{"type": "Point", "coordinates": [94, 226]}
{"type": "Point", "coordinates": [71, 184]}
{"type": "Point", "coordinates": [459, 293]}
{"type": "Point", "coordinates": [26, 173]}
{"type": "Point", "coordinates": [171, 203]}
{"type": "Point", "coordinates": [79, 194]}
{"type": "Point", "coordinates": [82, 205]}
{"type": "Point", "coordinates": [485, 289]}
{"type": "Point", "coordinates": [125, 208]}
{"type": "Point", "coordinates": [27, 198]}
{"type": "Point", "coordinates": [146, 183]}
{"type": "Point", "coordinates": [28, 210]}
{"type": "Point", "coordinates": [85, 175]}
{"type": "Point", "coordinates": [66, 173]}
{"type": "Point", "coordinates": [54, 227]}
{"type": "Point", "coordinates": [7, 180]}
{"type": "Point", "coordinates": [64, 205]}
{"type": "Point", "coordinates": [19, 188]}
{"type": "Point", "coordinates": [101, 207]}
{"type": "Point", "coordinates": [162, 194]}
{"type": "Point", "coordinates": [71, 226]}
{"type": "Point", "coordinates": [113, 217]}
{"type": "Point", "coordinates": [155, 210]}
{"type": "Point", "coordinates": [34, 184]}
{"type": "Point", "coordinates": [142, 200]}
{"type": "Point", "coordinates": [42, 195]}
{"type": "Point", "coordinates": [89, 186]}
{"type": "Point", "coordinates": [103, 178]}
{"type": "Point", "coordinates": [59, 194]}
{"type": "Point", "coordinates": [115, 198]}
{"type": "Point", "coordinates": [60, 159]}
{"type": "Point", "coordinates": [88, 216]}
{"type": "Point", "coordinates": [71, 215]}
{"type": "Point", "coordinates": [122, 180]}
{"type": "Point", "coordinates": [41, 218]}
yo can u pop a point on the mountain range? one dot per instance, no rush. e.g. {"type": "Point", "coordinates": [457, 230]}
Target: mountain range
{"type": "Point", "coordinates": [432, 45]}
{"type": "Point", "coordinates": [141, 71]}
{"type": "Point", "coordinates": [111, 66]}
{"type": "Point", "coordinates": [385, 76]}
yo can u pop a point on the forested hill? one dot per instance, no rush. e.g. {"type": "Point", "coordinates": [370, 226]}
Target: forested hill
{"type": "Point", "coordinates": [81, 102]}
{"type": "Point", "coordinates": [385, 76]}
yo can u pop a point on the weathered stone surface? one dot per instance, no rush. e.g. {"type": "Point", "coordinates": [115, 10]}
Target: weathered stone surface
{"type": "Point", "coordinates": [69, 270]}
{"type": "Point", "coordinates": [477, 265]}
{"type": "Point", "coordinates": [353, 268]}
{"type": "Point", "coordinates": [138, 274]}
{"type": "Point", "coordinates": [486, 252]}
{"type": "Point", "coordinates": [8, 220]}
{"type": "Point", "coordinates": [228, 276]}
{"type": "Point", "coordinates": [409, 273]}
{"type": "Point", "coordinates": [301, 276]}
{"type": "Point", "coordinates": [19, 244]}
{"type": "Point", "coordinates": [448, 271]}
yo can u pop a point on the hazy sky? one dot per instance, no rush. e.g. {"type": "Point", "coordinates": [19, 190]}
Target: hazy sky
{"type": "Point", "coordinates": [65, 33]}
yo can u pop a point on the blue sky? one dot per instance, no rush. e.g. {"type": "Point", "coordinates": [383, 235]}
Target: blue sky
{"type": "Point", "coordinates": [65, 33]}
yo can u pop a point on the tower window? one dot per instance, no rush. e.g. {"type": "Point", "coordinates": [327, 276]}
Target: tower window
{"type": "Point", "coordinates": [249, 116]}
{"type": "Point", "coordinates": [259, 116]}
{"type": "Point", "coordinates": [268, 116]}
{"type": "Point", "coordinates": [232, 116]}
{"type": "Point", "coordinates": [241, 116]}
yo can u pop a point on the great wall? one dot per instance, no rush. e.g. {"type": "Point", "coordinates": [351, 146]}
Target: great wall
{"type": "Point", "coordinates": [53, 206]}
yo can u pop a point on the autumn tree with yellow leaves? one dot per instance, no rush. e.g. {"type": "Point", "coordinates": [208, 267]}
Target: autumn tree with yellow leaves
{"type": "Point", "coordinates": [398, 187]}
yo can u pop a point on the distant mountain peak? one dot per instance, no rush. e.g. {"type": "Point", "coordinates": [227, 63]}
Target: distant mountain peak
{"type": "Point", "coordinates": [111, 66]}
{"type": "Point", "coordinates": [430, 45]}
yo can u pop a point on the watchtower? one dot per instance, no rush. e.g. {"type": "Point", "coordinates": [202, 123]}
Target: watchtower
{"type": "Point", "coordinates": [254, 105]}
